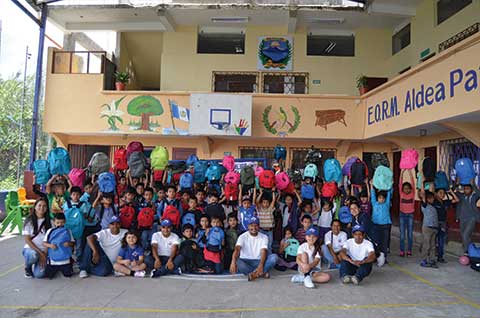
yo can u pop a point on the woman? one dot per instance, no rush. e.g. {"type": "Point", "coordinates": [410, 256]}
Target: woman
{"type": "Point", "coordinates": [34, 229]}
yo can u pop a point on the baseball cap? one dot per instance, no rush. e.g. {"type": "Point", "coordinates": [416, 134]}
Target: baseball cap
{"type": "Point", "coordinates": [358, 228]}
{"type": "Point", "coordinates": [114, 219]}
{"type": "Point", "coordinates": [253, 220]}
{"type": "Point", "coordinates": [166, 222]}
{"type": "Point", "coordinates": [312, 231]}
{"type": "Point", "coordinates": [246, 198]}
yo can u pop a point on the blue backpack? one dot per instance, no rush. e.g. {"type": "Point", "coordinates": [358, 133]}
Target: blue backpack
{"type": "Point", "coordinates": [59, 236]}
{"type": "Point", "coordinates": [308, 191]}
{"type": "Point", "coordinates": [186, 181]}
{"type": "Point", "coordinates": [75, 220]}
{"type": "Point", "coordinates": [473, 251]}
{"type": "Point", "coordinates": [59, 161]}
{"type": "Point", "coordinates": [244, 216]}
{"type": "Point", "coordinates": [344, 215]}
{"type": "Point", "coordinates": [188, 218]}
{"type": "Point", "coordinates": [441, 180]}
{"type": "Point", "coordinates": [464, 170]}
{"type": "Point", "coordinates": [214, 172]}
{"type": "Point", "coordinates": [191, 160]}
{"type": "Point", "coordinates": [200, 170]}
{"type": "Point", "coordinates": [215, 238]}
{"type": "Point", "coordinates": [280, 152]}
{"type": "Point", "coordinates": [332, 170]}
{"type": "Point", "coordinates": [106, 182]}
{"type": "Point", "coordinates": [42, 174]}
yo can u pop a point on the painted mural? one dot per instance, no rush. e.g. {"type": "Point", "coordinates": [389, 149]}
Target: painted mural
{"type": "Point", "coordinates": [144, 107]}
{"type": "Point", "coordinates": [329, 116]}
{"type": "Point", "coordinates": [280, 122]}
{"type": "Point", "coordinates": [112, 113]}
{"type": "Point", "coordinates": [275, 53]}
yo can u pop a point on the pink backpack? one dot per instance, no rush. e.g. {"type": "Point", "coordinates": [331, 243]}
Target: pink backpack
{"type": "Point", "coordinates": [228, 163]}
{"type": "Point", "coordinates": [258, 171]}
{"type": "Point", "coordinates": [282, 181]}
{"type": "Point", "coordinates": [232, 177]}
{"type": "Point", "coordinates": [77, 177]}
{"type": "Point", "coordinates": [409, 159]}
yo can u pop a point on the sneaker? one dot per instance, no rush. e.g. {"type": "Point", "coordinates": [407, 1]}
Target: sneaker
{"type": "Point", "coordinates": [152, 273]}
{"type": "Point", "coordinates": [28, 273]}
{"type": "Point", "coordinates": [118, 274]}
{"type": "Point", "coordinates": [381, 260]}
{"type": "Point", "coordinates": [355, 280]}
{"type": "Point", "coordinates": [298, 279]}
{"type": "Point", "coordinates": [442, 260]}
{"type": "Point", "coordinates": [83, 274]}
{"type": "Point", "coordinates": [347, 279]}
{"type": "Point", "coordinates": [433, 264]}
{"type": "Point", "coordinates": [139, 274]}
{"type": "Point", "coordinates": [409, 253]}
{"type": "Point", "coordinates": [401, 254]}
{"type": "Point", "coordinates": [252, 276]}
{"type": "Point", "coordinates": [424, 263]}
{"type": "Point", "coordinates": [307, 282]}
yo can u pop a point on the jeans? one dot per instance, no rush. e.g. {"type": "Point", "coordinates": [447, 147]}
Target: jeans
{"type": "Point", "coordinates": [270, 238]}
{"type": "Point", "coordinates": [428, 245]}
{"type": "Point", "coordinates": [360, 272]}
{"type": "Point", "coordinates": [382, 234]}
{"type": "Point", "coordinates": [104, 266]}
{"type": "Point", "coordinates": [441, 239]}
{"type": "Point", "coordinates": [246, 266]}
{"type": "Point", "coordinates": [406, 225]}
{"type": "Point", "coordinates": [163, 270]}
{"type": "Point", "coordinates": [327, 255]}
{"type": "Point", "coordinates": [66, 270]}
{"type": "Point", "coordinates": [32, 259]}
{"type": "Point", "coordinates": [146, 238]}
{"type": "Point", "coordinates": [87, 231]}
{"type": "Point", "coordinates": [466, 230]}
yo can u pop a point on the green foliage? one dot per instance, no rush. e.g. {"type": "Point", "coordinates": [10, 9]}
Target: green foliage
{"type": "Point", "coordinates": [122, 77]}
{"type": "Point", "coordinates": [361, 81]}
{"type": "Point", "coordinates": [11, 95]}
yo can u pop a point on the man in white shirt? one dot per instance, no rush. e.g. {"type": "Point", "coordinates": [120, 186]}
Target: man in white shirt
{"type": "Point", "coordinates": [357, 257]}
{"type": "Point", "coordinates": [164, 251]}
{"type": "Point", "coordinates": [102, 250]}
{"type": "Point", "coordinates": [333, 243]}
{"type": "Point", "coordinates": [250, 255]}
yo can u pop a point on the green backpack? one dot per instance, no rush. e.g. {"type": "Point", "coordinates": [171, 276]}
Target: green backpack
{"type": "Point", "coordinates": [159, 158]}
{"type": "Point", "coordinates": [292, 248]}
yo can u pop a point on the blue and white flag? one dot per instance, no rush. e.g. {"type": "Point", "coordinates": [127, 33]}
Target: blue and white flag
{"type": "Point", "coordinates": [179, 112]}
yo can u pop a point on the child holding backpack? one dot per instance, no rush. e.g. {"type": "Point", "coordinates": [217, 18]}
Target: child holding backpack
{"type": "Point", "coordinates": [59, 242]}
{"type": "Point", "coordinates": [326, 217]}
{"type": "Point", "coordinates": [246, 210]}
{"type": "Point", "coordinates": [76, 213]}
{"type": "Point", "coordinates": [266, 207]}
{"type": "Point", "coordinates": [429, 228]}
{"type": "Point", "coordinates": [215, 240]}
{"type": "Point", "coordinates": [287, 252]}
{"type": "Point", "coordinates": [381, 219]}
{"type": "Point", "coordinates": [306, 224]}
{"type": "Point", "coordinates": [231, 236]}
{"type": "Point", "coordinates": [191, 252]}
{"type": "Point", "coordinates": [130, 258]}
{"type": "Point", "coordinates": [104, 209]}
{"type": "Point", "coordinates": [146, 218]}
{"type": "Point", "coordinates": [443, 201]}
{"type": "Point", "coordinates": [56, 192]}
{"type": "Point", "coordinates": [407, 208]}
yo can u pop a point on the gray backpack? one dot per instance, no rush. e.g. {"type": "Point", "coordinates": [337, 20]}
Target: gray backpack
{"type": "Point", "coordinates": [99, 163]}
{"type": "Point", "coordinates": [137, 164]}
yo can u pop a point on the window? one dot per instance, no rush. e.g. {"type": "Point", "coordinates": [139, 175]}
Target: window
{"type": "Point", "coordinates": [235, 82]}
{"type": "Point", "coordinates": [80, 155]}
{"type": "Point", "coordinates": [454, 149]}
{"type": "Point", "coordinates": [298, 158]}
{"type": "Point", "coordinates": [331, 45]}
{"type": "Point", "coordinates": [183, 153]}
{"type": "Point", "coordinates": [219, 43]}
{"type": "Point", "coordinates": [257, 152]}
{"type": "Point", "coordinates": [447, 8]}
{"type": "Point", "coordinates": [401, 39]}
{"type": "Point", "coordinates": [285, 83]}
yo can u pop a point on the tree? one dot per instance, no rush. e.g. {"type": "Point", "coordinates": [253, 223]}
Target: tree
{"type": "Point", "coordinates": [144, 107]}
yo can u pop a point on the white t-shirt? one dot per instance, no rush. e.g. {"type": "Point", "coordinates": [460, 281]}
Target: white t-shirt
{"type": "Point", "coordinates": [164, 244]}
{"type": "Point", "coordinates": [337, 241]}
{"type": "Point", "coordinates": [325, 219]}
{"type": "Point", "coordinates": [251, 246]}
{"type": "Point", "coordinates": [358, 252]}
{"type": "Point", "coordinates": [304, 248]}
{"type": "Point", "coordinates": [111, 244]}
{"type": "Point", "coordinates": [37, 240]}
{"type": "Point", "coordinates": [45, 239]}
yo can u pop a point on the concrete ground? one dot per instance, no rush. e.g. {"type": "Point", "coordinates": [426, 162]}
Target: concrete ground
{"type": "Point", "coordinates": [400, 289]}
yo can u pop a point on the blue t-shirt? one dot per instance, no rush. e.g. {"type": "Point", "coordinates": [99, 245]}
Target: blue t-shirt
{"type": "Point", "coordinates": [132, 254]}
{"type": "Point", "coordinates": [107, 215]}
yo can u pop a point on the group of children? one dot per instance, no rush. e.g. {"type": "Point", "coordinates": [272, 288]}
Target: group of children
{"type": "Point", "coordinates": [206, 223]}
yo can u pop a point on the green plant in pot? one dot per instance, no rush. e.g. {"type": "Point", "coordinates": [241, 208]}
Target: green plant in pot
{"type": "Point", "coordinates": [362, 84]}
{"type": "Point", "coordinates": [121, 79]}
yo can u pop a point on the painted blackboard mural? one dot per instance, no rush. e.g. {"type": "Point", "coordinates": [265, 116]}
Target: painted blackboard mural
{"type": "Point", "coordinates": [326, 117]}
{"type": "Point", "coordinates": [113, 114]}
{"type": "Point", "coordinates": [275, 53]}
{"type": "Point", "coordinates": [280, 122]}
{"type": "Point", "coordinates": [144, 107]}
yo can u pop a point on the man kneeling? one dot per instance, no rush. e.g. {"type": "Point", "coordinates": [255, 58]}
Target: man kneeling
{"type": "Point", "coordinates": [357, 257]}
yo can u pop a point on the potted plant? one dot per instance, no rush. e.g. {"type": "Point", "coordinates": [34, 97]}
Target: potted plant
{"type": "Point", "coordinates": [362, 84]}
{"type": "Point", "coordinates": [121, 79]}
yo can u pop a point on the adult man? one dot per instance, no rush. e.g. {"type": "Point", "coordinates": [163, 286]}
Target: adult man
{"type": "Point", "coordinates": [102, 250]}
{"type": "Point", "coordinates": [468, 212]}
{"type": "Point", "coordinates": [357, 257]}
{"type": "Point", "coordinates": [250, 255]}
{"type": "Point", "coordinates": [334, 240]}
{"type": "Point", "coordinates": [164, 251]}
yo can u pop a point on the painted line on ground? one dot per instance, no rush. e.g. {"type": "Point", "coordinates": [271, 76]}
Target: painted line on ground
{"type": "Point", "coordinates": [439, 288]}
{"type": "Point", "coordinates": [11, 270]}
{"type": "Point", "coordinates": [232, 310]}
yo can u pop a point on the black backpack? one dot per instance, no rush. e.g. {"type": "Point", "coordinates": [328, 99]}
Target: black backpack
{"type": "Point", "coordinates": [314, 156]}
{"type": "Point", "coordinates": [358, 172]}
{"type": "Point", "coordinates": [380, 159]}
{"type": "Point", "coordinates": [429, 169]}
{"type": "Point", "coordinates": [193, 256]}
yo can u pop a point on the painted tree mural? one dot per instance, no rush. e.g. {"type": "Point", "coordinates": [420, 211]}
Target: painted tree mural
{"type": "Point", "coordinates": [145, 107]}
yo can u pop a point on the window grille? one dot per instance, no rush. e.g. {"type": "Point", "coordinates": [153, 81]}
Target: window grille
{"type": "Point", "coordinates": [453, 149]}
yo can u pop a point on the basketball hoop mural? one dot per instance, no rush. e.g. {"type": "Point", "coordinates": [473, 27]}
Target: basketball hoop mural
{"type": "Point", "coordinates": [220, 114]}
{"type": "Point", "coordinates": [279, 122]}
{"type": "Point", "coordinates": [326, 117]}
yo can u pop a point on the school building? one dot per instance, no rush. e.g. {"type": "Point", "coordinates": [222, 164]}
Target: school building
{"type": "Point", "coordinates": [298, 60]}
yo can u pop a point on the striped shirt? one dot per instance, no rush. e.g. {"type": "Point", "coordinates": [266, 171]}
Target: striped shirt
{"type": "Point", "coordinates": [265, 218]}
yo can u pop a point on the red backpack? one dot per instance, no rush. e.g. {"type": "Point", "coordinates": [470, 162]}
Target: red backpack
{"type": "Point", "coordinates": [127, 216]}
{"type": "Point", "coordinates": [329, 190]}
{"type": "Point", "coordinates": [145, 218]}
{"type": "Point", "coordinates": [120, 159]}
{"type": "Point", "coordinates": [171, 213]}
{"type": "Point", "coordinates": [267, 179]}
{"type": "Point", "coordinates": [134, 146]}
{"type": "Point", "coordinates": [231, 192]}
{"type": "Point", "coordinates": [158, 175]}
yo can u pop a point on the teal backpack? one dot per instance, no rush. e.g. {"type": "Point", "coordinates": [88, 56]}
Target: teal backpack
{"type": "Point", "coordinates": [332, 170]}
{"type": "Point", "coordinates": [292, 248]}
{"type": "Point", "coordinates": [40, 169]}
{"type": "Point", "coordinates": [75, 220]}
{"type": "Point", "coordinates": [383, 178]}
{"type": "Point", "coordinates": [59, 161]}
{"type": "Point", "coordinates": [310, 171]}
